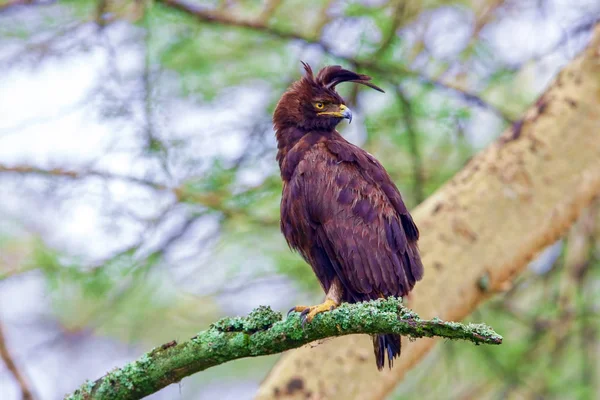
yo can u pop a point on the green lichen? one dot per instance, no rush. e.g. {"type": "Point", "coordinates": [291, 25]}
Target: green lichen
{"type": "Point", "coordinates": [484, 330]}
{"type": "Point", "coordinates": [84, 391]}
{"type": "Point", "coordinates": [259, 319]}
{"type": "Point", "coordinates": [454, 325]}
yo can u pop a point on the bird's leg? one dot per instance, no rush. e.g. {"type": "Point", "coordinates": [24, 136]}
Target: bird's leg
{"type": "Point", "coordinates": [332, 300]}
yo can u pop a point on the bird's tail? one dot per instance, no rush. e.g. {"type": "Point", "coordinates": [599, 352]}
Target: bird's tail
{"type": "Point", "coordinates": [386, 344]}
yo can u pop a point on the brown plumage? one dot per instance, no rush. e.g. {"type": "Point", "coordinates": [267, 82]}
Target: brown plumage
{"type": "Point", "coordinates": [339, 209]}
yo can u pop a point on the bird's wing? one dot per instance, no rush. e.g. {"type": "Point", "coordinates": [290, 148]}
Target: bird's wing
{"type": "Point", "coordinates": [361, 225]}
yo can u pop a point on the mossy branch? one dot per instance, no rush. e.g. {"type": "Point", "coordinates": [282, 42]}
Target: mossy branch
{"type": "Point", "coordinates": [263, 332]}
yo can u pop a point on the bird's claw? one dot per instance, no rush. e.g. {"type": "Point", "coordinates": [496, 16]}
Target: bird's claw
{"type": "Point", "coordinates": [305, 311]}
{"type": "Point", "coordinates": [304, 316]}
{"type": "Point", "coordinates": [307, 314]}
{"type": "Point", "coordinates": [299, 309]}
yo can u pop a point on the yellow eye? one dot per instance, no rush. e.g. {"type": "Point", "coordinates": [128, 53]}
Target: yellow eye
{"type": "Point", "coordinates": [319, 106]}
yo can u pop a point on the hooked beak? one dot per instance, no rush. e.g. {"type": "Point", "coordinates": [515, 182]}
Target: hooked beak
{"type": "Point", "coordinates": [344, 112]}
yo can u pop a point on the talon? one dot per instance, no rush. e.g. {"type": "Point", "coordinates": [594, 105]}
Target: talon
{"type": "Point", "coordinates": [307, 314]}
{"type": "Point", "coordinates": [303, 321]}
{"type": "Point", "coordinates": [298, 309]}
{"type": "Point", "coordinates": [303, 316]}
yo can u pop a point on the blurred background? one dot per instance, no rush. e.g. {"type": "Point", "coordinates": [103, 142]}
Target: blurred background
{"type": "Point", "coordinates": [140, 193]}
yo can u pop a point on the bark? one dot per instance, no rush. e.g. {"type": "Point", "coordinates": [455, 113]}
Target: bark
{"type": "Point", "coordinates": [262, 333]}
{"type": "Point", "coordinates": [479, 231]}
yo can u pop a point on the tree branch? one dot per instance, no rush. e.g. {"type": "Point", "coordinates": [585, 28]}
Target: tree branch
{"type": "Point", "coordinates": [389, 71]}
{"type": "Point", "coordinates": [214, 201]}
{"type": "Point", "coordinates": [211, 17]}
{"type": "Point", "coordinates": [14, 3]}
{"type": "Point", "coordinates": [397, 17]}
{"type": "Point", "coordinates": [263, 332]}
{"type": "Point", "coordinates": [26, 393]}
{"type": "Point", "coordinates": [413, 143]}
{"type": "Point", "coordinates": [74, 174]}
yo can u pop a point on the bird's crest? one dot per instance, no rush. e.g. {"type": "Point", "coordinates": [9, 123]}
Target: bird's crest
{"type": "Point", "coordinates": [329, 77]}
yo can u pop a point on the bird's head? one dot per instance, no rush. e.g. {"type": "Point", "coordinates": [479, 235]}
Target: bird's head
{"type": "Point", "coordinates": [311, 103]}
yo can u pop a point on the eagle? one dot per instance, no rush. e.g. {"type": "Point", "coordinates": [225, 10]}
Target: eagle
{"type": "Point", "coordinates": [339, 208]}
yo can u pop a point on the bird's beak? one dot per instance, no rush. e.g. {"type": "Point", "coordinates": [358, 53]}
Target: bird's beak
{"type": "Point", "coordinates": [344, 112]}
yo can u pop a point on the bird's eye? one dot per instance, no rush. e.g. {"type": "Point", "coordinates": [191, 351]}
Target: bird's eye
{"type": "Point", "coordinates": [319, 106]}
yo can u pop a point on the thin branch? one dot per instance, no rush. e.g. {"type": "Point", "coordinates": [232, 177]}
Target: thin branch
{"type": "Point", "coordinates": [14, 3]}
{"type": "Point", "coordinates": [583, 28]}
{"type": "Point", "coordinates": [101, 10]}
{"type": "Point", "coordinates": [26, 393]}
{"type": "Point", "coordinates": [43, 119]}
{"type": "Point", "coordinates": [214, 201]}
{"type": "Point", "coordinates": [72, 174]}
{"type": "Point", "coordinates": [484, 15]}
{"type": "Point", "coordinates": [270, 7]}
{"type": "Point", "coordinates": [153, 143]}
{"type": "Point", "coordinates": [475, 100]}
{"type": "Point", "coordinates": [323, 18]}
{"type": "Point", "coordinates": [389, 71]}
{"type": "Point", "coordinates": [397, 17]}
{"type": "Point", "coordinates": [207, 16]}
{"type": "Point", "coordinates": [212, 17]}
{"type": "Point", "coordinates": [263, 332]}
{"type": "Point", "coordinates": [413, 143]}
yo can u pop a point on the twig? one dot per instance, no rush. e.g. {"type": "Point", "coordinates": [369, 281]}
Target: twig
{"type": "Point", "coordinates": [270, 7]}
{"type": "Point", "coordinates": [397, 17]}
{"type": "Point", "coordinates": [388, 71]}
{"type": "Point", "coordinates": [211, 17]}
{"type": "Point", "coordinates": [214, 201]}
{"type": "Point", "coordinates": [152, 141]}
{"type": "Point", "coordinates": [73, 174]}
{"type": "Point", "coordinates": [101, 9]}
{"type": "Point", "coordinates": [14, 3]}
{"type": "Point", "coordinates": [208, 16]}
{"type": "Point", "coordinates": [476, 100]}
{"type": "Point", "coordinates": [263, 332]}
{"type": "Point", "coordinates": [26, 393]}
{"type": "Point", "coordinates": [413, 143]}
{"type": "Point", "coordinates": [323, 18]}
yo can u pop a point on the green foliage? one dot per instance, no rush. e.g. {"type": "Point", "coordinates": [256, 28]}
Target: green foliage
{"type": "Point", "coordinates": [209, 59]}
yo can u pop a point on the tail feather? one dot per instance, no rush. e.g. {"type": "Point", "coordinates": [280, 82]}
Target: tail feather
{"type": "Point", "coordinates": [386, 344]}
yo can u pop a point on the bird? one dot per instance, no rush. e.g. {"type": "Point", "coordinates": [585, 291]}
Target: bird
{"type": "Point", "coordinates": [340, 210]}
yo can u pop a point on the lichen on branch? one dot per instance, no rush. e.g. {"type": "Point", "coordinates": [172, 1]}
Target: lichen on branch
{"type": "Point", "coordinates": [264, 332]}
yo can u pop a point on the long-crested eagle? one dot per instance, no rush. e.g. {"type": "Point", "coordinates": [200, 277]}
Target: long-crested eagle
{"type": "Point", "coordinates": [339, 209]}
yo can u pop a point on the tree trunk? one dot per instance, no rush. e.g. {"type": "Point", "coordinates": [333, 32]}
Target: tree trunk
{"type": "Point", "coordinates": [477, 232]}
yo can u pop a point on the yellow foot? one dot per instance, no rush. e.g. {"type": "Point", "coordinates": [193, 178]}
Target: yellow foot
{"type": "Point", "coordinates": [307, 314]}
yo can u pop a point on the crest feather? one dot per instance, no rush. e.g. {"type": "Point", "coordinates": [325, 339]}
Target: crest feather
{"type": "Point", "coordinates": [308, 69]}
{"type": "Point", "coordinates": [331, 76]}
